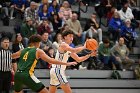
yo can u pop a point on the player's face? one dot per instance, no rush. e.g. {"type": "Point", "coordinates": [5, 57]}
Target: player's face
{"type": "Point", "coordinates": [69, 38]}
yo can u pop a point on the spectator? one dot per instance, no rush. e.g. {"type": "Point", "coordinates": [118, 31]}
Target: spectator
{"type": "Point", "coordinates": [57, 42]}
{"type": "Point", "coordinates": [51, 54]}
{"type": "Point", "coordinates": [114, 27]}
{"type": "Point", "coordinates": [32, 13]}
{"type": "Point", "coordinates": [75, 26]}
{"type": "Point", "coordinates": [137, 71]}
{"type": "Point", "coordinates": [4, 5]}
{"type": "Point", "coordinates": [54, 8]}
{"type": "Point", "coordinates": [65, 12]}
{"type": "Point", "coordinates": [17, 45]}
{"type": "Point", "coordinates": [45, 43]}
{"type": "Point", "coordinates": [18, 6]}
{"type": "Point", "coordinates": [44, 27]}
{"type": "Point", "coordinates": [104, 53]}
{"type": "Point", "coordinates": [43, 3]}
{"type": "Point", "coordinates": [120, 52]}
{"type": "Point", "coordinates": [126, 12]}
{"type": "Point", "coordinates": [27, 29]}
{"type": "Point", "coordinates": [92, 29]}
{"type": "Point", "coordinates": [5, 66]}
{"type": "Point", "coordinates": [57, 23]}
{"type": "Point", "coordinates": [129, 34]}
{"type": "Point", "coordinates": [111, 13]}
{"type": "Point", "coordinates": [44, 14]}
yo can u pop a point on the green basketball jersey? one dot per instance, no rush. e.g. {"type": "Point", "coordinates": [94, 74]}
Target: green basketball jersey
{"type": "Point", "coordinates": [27, 61]}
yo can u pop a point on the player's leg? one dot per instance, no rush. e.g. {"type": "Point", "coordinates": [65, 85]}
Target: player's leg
{"type": "Point", "coordinates": [66, 88]}
{"type": "Point", "coordinates": [52, 89]}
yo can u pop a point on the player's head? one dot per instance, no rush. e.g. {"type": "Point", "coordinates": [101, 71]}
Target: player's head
{"type": "Point", "coordinates": [68, 36]}
{"type": "Point", "coordinates": [35, 40]}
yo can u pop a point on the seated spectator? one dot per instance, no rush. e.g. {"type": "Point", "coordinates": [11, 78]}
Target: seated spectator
{"type": "Point", "coordinates": [44, 14]}
{"type": "Point", "coordinates": [65, 12]}
{"type": "Point", "coordinates": [46, 26]}
{"type": "Point", "coordinates": [120, 52]}
{"type": "Point", "coordinates": [51, 54]}
{"type": "Point", "coordinates": [27, 29]}
{"type": "Point", "coordinates": [32, 13]}
{"type": "Point", "coordinates": [114, 27]}
{"type": "Point", "coordinates": [17, 45]}
{"type": "Point", "coordinates": [45, 43]}
{"type": "Point", "coordinates": [111, 13]}
{"type": "Point", "coordinates": [18, 6]}
{"type": "Point", "coordinates": [129, 34]}
{"type": "Point", "coordinates": [43, 27]}
{"type": "Point", "coordinates": [75, 26]}
{"type": "Point", "coordinates": [57, 23]}
{"type": "Point", "coordinates": [104, 54]}
{"type": "Point", "coordinates": [4, 7]}
{"type": "Point", "coordinates": [41, 5]}
{"type": "Point", "coordinates": [54, 8]}
{"type": "Point", "coordinates": [92, 29]}
{"type": "Point", "coordinates": [57, 42]}
{"type": "Point", "coordinates": [126, 12]}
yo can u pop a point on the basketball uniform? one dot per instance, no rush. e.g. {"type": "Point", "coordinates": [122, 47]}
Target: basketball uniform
{"type": "Point", "coordinates": [57, 72]}
{"type": "Point", "coordinates": [25, 71]}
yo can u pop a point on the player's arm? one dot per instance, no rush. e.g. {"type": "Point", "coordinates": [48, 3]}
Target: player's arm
{"type": "Point", "coordinates": [66, 47]}
{"type": "Point", "coordinates": [79, 59]}
{"type": "Point", "coordinates": [41, 54]}
{"type": "Point", "coordinates": [16, 55]}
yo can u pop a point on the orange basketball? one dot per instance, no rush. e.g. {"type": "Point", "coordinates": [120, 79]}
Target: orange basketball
{"type": "Point", "coordinates": [91, 44]}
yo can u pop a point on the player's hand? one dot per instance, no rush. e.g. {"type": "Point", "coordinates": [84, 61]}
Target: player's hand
{"type": "Point", "coordinates": [71, 63]}
{"type": "Point", "coordinates": [93, 53]}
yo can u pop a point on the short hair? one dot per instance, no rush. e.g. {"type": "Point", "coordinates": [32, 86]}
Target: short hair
{"type": "Point", "coordinates": [35, 39]}
{"type": "Point", "coordinates": [4, 38]}
{"type": "Point", "coordinates": [106, 40]}
{"type": "Point", "coordinates": [67, 32]}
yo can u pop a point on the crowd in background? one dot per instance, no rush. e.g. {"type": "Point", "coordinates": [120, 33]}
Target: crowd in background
{"type": "Point", "coordinates": [49, 18]}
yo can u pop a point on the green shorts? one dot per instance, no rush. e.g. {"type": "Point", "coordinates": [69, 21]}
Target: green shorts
{"type": "Point", "coordinates": [23, 79]}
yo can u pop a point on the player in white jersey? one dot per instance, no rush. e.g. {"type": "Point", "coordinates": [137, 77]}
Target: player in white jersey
{"type": "Point", "coordinates": [57, 72]}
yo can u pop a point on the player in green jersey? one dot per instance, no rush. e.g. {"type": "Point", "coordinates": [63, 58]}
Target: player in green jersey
{"type": "Point", "coordinates": [28, 58]}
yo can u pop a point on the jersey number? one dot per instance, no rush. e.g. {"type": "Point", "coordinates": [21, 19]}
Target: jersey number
{"type": "Point", "coordinates": [25, 57]}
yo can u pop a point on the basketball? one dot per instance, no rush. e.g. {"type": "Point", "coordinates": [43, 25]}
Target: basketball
{"type": "Point", "coordinates": [91, 44]}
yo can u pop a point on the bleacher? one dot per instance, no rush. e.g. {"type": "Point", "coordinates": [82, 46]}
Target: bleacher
{"type": "Point", "coordinates": [94, 81]}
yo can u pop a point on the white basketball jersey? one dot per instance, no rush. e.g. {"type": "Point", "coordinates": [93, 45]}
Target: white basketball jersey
{"type": "Point", "coordinates": [61, 57]}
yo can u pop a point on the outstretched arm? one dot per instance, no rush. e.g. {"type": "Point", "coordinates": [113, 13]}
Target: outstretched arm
{"type": "Point", "coordinates": [41, 54]}
{"type": "Point", "coordinates": [66, 47]}
{"type": "Point", "coordinates": [79, 59]}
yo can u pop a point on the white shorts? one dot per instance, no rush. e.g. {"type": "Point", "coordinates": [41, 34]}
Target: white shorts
{"type": "Point", "coordinates": [57, 77]}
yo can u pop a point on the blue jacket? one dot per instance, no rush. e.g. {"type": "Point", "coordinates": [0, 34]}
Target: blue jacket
{"type": "Point", "coordinates": [126, 29]}
{"type": "Point", "coordinates": [53, 9]}
{"type": "Point", "coordinates": [115, 23]}
{"type": "Point", "coordinates": [42, 16]}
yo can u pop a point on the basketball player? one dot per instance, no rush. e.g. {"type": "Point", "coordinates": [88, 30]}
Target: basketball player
{"type": "Point", "coordinates": [57, 72]}
{"type": "Point", "coordinates": [28, 58]}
